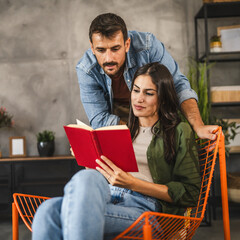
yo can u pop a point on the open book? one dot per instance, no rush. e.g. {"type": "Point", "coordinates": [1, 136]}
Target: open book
{"type": "Point", "coordinates": [114, 142]}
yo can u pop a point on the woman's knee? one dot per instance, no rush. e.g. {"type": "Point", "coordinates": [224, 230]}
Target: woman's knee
{"type": "Point", "coordinates": [89, 177]}
{"type": "Point", "coordinates": [87, 183]}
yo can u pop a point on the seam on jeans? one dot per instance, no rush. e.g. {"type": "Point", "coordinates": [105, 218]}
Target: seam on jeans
{"type": "Point", "coordinates": [70, 187]}
{"type": "Point", "coordinates": [108, 195]}
{"type": "Point", "coordinates": [122, 217]}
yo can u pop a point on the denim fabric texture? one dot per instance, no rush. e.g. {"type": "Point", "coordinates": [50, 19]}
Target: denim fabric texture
{"type": "Point", "coordinates": [95, 85]}
{"type": "Point", "coordinates": [90, 209]}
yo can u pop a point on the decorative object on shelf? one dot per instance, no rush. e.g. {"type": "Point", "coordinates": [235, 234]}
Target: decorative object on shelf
{"type": "Point", "coordinates": [233, 182]}
{"type": "Point", "coordinates": [17, 146]}
{"type": "Point", "coordinates": [230, 37]}
{"type": "Point", "coordinates": [215, 44]}
{"type": "Point", "coordinates": [5, 121]}
{"type": "Point", "coordinates": [45, 143]}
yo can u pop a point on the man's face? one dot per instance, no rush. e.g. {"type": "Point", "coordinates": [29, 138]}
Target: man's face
{"type": "Point", "coordinates": [110, 52]}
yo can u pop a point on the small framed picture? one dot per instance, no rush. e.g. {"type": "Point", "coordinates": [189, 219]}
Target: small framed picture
{"type": "Point", "coordinates": [230, 38]}
{"type": "Point", "coordinates": [17, 147]}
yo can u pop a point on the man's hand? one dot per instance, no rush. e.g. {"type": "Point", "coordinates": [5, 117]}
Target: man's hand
{"type": "Point", "coordinates": [191, 112]}
{"type": "Point", "coordinates": [207, 131]}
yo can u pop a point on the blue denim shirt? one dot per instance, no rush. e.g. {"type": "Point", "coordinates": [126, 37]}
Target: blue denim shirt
{"type": "Point", "coordinates": [95, 85]}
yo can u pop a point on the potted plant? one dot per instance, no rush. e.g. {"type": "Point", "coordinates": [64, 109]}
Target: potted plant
{"type": "Point", "coordinates": [45, 143]}
{"type": "Point", "coordinates": [197, 76]}
{"type": "Point", "coordinates": [229, 130]}
{"type": "Point", "coordinates": [215, 44]}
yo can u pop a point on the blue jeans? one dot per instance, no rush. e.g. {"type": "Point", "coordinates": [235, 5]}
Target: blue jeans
{"type": "Point", "coordinates": [90, 209]}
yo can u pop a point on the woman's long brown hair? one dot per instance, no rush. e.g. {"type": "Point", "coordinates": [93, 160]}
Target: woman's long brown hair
{"type": "Point", "coordinates": [167, 110]}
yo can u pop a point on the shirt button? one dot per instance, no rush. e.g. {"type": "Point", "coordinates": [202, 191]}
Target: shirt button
{"type": "Point", "coordinates": [128, 80]}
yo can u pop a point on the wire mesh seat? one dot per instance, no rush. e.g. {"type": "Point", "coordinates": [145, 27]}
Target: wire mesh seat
{"type": "Point", "coordinates": [153, 225]}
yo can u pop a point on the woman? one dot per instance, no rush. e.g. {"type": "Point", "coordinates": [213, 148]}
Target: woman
{"type": "Point", "coordinates": [168, 179]}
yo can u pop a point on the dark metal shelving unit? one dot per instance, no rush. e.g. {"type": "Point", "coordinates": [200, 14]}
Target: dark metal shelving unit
{"type": "Point", "coordinates": [35, 174]}
{"type": "Point", "coordinates": [207, 12]}
{"type": "Point", "coordinates": [221, 57]}
{"type": "Point", "coordinates": [219, 10]}
{"type": "Point", "coordinates": [216, 10]}
{"type": "Point", "coordinates": [226, 104]}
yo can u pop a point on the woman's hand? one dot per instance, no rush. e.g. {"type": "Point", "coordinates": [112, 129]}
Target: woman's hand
{"type": "Point", "coordinates": [113, 174]}
{"type": "Point", "coordinates": [71, 151]}
{"type": "Point", "coordinates": [119, 178]}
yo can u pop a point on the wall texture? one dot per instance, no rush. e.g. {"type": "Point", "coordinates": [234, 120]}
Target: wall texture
{"type": "Point", "coordinates": [41, 42]}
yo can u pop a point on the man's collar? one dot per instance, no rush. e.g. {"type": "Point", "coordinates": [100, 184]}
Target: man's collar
{"type": "Point", "coordinates": [101, 70]}
{"type": "Point", "coordinates": [130, 60]}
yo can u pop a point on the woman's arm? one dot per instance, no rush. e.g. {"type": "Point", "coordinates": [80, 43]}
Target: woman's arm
{"type": "Point", "coordinates": [117, 177]}
{"type": "Point", "coordinates": [186, 181]}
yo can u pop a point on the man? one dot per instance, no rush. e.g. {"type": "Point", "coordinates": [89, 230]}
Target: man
{"type": "Point", "coordinates": [105, 73]}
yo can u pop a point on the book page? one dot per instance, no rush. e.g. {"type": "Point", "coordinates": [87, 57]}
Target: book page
{"type": "Point", "coordinates": [114, 127]}
{"type": "Point", "coordinates": [80, 124]}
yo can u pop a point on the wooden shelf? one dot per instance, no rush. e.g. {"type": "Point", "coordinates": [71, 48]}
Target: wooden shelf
{"type": "Point", "coordinates": [36, 158]}
{"type": "Point", "coordinates": [234, 150]}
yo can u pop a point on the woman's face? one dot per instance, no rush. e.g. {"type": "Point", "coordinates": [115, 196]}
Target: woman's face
{"type": "Point", "coordinates": [144, 100]}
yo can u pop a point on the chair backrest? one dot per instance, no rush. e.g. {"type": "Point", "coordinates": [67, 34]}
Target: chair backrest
{"type": "Point", "coordinates": [26, 206]}
{"type": "Point", "coordinates": [153, 225]}
{"type": "Point", "coordinates": [207, 152]}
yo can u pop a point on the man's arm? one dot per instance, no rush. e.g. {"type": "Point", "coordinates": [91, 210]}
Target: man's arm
{"type": "Point", "coordinates": [191, 112]}
{"type": "Point", "coordinates": [95, 101]}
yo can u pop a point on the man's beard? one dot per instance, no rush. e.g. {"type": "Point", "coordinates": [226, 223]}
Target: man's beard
{"type": "Point", "coordinates": [107, 71]}
{"type": "Point", "coordinates": [117, 73]}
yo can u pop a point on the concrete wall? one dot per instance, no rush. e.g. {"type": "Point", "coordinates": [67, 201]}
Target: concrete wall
{"type": "Point", "coordinates": [41, 42]}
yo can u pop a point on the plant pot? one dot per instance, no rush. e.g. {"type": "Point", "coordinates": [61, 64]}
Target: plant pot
{"type": "Point", "coordinates": [233, 180]}
{"type": "Point", "coordinates": [45, 149]}
{"type": "Point", "coordinates": [216, 46]}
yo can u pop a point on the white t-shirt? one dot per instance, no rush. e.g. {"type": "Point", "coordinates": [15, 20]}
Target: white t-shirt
{"type": "Point", "coordinates": [140, 146]}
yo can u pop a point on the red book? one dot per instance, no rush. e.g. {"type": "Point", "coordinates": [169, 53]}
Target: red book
{"type": "Point", "coordinates": [114, 142]}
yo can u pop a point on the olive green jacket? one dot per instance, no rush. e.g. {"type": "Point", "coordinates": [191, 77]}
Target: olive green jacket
{"type": "Point", "coordinates": [182, 177]}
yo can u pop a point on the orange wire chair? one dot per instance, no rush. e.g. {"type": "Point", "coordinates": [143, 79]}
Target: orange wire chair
{"type": "Point", "coordinates": [153, 225]}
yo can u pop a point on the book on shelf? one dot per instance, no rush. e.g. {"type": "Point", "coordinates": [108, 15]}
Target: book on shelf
{"type": "Point", "coordinates": [114, 142]}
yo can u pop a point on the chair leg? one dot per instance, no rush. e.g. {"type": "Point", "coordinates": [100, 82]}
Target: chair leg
{"type": "Point", "coordinates": [224, 192]}
{"type": "Point", "coordinates": [147, 232]}
{"type": "Point", "coordinates": [14, 222]}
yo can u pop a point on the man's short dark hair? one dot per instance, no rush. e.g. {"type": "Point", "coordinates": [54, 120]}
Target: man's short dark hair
{"type": "Point", "coordinates": [108, 24]}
